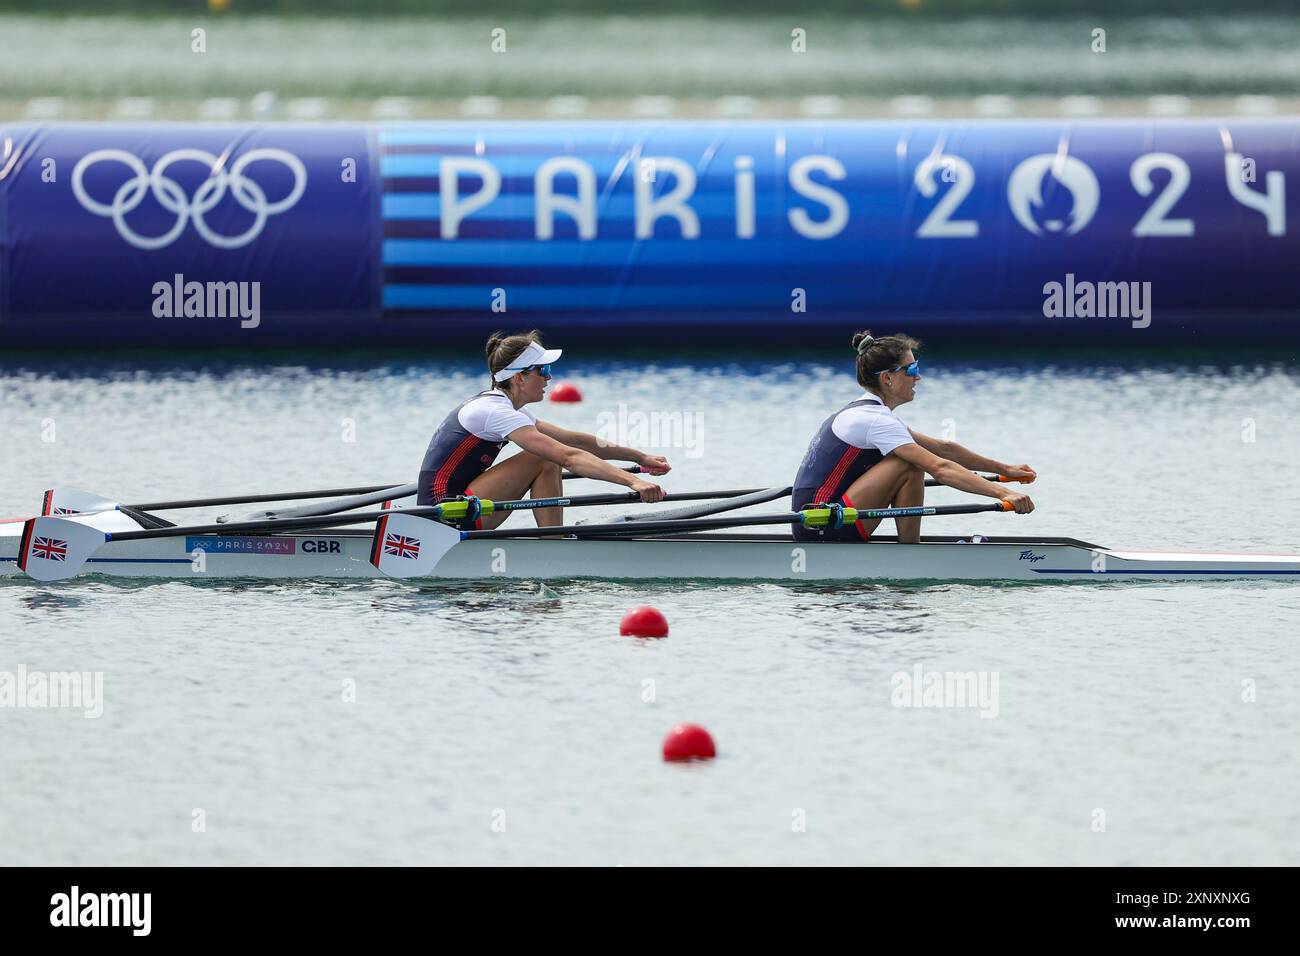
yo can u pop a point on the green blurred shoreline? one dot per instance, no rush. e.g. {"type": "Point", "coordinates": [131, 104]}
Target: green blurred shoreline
{"type": "Point", "coordinates": [852, 8]}
{"type": "Point", "coordinates": [617, 57]}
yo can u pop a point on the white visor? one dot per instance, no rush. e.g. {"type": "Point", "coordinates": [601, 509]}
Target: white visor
{"type": "Point", "coordinates": [533, 355]}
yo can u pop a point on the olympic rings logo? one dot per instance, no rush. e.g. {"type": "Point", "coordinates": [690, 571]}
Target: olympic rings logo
{"type": "Point", "coordinates": [171, 197]}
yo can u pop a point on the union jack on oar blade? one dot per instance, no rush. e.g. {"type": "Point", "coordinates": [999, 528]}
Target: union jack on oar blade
{"type": "Point", "coordinates": [52, 549]}
{"type": "Point", "coordinates": [402, 546]}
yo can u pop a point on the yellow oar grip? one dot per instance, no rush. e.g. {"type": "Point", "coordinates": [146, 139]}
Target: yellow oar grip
{"type": "Point", "coordinates": [457, 510]}
{"type": "Point", "coordinates": [820, 517]}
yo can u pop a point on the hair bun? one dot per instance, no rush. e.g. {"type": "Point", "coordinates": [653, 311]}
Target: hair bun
{"type": "Point", "coordinates": [862, 341]}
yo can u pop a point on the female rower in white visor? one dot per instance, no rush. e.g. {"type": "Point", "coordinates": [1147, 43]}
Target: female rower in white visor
{"type": "Point", "coordinates": [459, 460]}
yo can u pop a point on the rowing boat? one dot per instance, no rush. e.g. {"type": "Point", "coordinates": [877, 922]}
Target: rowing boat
{"type": "Point", "coordinates": [343, 553]}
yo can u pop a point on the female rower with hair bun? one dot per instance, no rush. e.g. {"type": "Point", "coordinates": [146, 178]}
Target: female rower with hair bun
{"type": "Point", "coordinates": [863, 456]}
{"type": "Point", "coordinates": [468, 441]}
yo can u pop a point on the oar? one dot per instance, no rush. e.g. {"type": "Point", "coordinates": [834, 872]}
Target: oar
{"type": "Point", "coordinates": [55, 548]}
{"type": "Point", "coordinates": [936, 483]}
{"type": "Point", "coordinates": [64, 501]}
{"type": "Point", "coordinates": [376, 496]}
{"type": "Point", "coordinates": [68, 501]}
{"type": "Point", "coordinates": [758, 498]}
{"type": "Point", "coordinates": [407, 546]}
{"type": "Point", "coordinates": [360, 501]}
{"type": "Point", "coordinates": [717, 507]}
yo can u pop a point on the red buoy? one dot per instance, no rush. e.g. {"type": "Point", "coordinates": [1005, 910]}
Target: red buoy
{"type": "Point", "coordinates": [689, 742]}
{"type": "Point", "coordinates": [644, 621]}
{"type": "Point", "coordinates": [565, 392]}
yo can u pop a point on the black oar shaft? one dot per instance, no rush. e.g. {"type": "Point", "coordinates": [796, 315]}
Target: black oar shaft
{"type": "Point", "coordinates": [700, 511]}
{"type": "Point", "coordinates": [287, 496]}
{"type": "Point", "coordinates": [267, 527]}
{"type": "Point", "coordinates": [253, 499]}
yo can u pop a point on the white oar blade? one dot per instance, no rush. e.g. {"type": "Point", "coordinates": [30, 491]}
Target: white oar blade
{"type": "Point", "coordinates": [55, 548]}
{"type": "Point", "coordinates": [409, 547]}
{"type": "Point", "coordinates": [70, 501]}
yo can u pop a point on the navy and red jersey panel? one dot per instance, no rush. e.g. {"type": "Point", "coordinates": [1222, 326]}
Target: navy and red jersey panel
{"type": "Point", "coordinates": [830, 466]}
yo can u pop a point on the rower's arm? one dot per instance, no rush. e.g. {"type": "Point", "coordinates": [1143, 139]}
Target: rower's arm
{"type": "Point", "coordinates": [653, 464]}
{"type": "Point", "coordinates": [948, 472]}
{"type": "Point", "coordinates": [959, 454]}
{"type": "Point", "coordinates": [588, 443]}
{"type": "Point", "coordinates": [577, 460]}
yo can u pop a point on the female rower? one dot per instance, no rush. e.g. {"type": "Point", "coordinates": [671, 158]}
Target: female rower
{"type": "Point", "coordinates": [863, 456]}
{"type": "Point", "coordinates": [463, 449]}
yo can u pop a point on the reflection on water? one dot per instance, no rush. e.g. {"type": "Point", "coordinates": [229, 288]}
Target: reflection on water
{"type": "Point", "coordinates": [51, 602]}
{"type": "Point", "coordinates": [473, 599]}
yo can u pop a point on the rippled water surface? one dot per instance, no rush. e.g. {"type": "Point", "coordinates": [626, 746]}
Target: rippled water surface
{"type": "Point", "coordinates": [509, 722]}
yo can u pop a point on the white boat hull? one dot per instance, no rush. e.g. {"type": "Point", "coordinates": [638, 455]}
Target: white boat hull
{"type": "Point", "coordinates": [701, 557]}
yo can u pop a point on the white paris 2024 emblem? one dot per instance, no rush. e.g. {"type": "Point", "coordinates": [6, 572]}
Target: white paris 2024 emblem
{"type": "Point", "coordinates": [171, 197]}
{"type": "Point", "coordinates": [1025, 193]}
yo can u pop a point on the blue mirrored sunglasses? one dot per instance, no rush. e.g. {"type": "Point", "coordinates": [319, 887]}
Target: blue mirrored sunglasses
{"type": "Point", "coordinates": [911, 371]}
{"type": "Point", "coordinates": [542, 370]}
